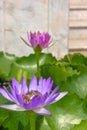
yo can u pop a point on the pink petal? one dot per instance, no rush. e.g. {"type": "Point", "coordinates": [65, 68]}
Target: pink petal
{"type": "Point", "coordinates": [25, 42]}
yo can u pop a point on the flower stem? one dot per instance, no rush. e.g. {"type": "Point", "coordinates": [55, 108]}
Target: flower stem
{"type": "Point", "coordinates": [37, 51]}
{"type": "Point", "coordinates": [32, 121]}
{"type": "Point", "coordinates": [38, 66]}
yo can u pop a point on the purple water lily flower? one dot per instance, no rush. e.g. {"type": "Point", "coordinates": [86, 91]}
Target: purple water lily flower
{"type": "Point", "coordinates": [35, 97]}
{"type": "Point", "coordinates": [37, 38]}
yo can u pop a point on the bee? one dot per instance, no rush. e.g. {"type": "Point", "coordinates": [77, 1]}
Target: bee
{"type": "Point", "coordinates": [4, 83]}
{"type": "Point", "coordinates": [30, 95]}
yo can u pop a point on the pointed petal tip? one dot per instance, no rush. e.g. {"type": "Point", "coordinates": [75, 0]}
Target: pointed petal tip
{"type": "Point", "coordinates": [13, 107]}
{"type": "Point", "coordinates": [42, 111]}
{"type": "Point", "coordinates": [57, 87]}
{"type": "Point", "coordinates": [23, 79]}
{"type": "Point", "coordinates": [5, 93]}
{"type": "Point", "coordinates": [14, 81]}
{"type": "Point", "coordinates": [33, 83]}
{"type": "Point", "coordinates": [60, 96]}
{"type": "Point", "coordinates": [65, 93]}
{"type": "Point", "coordinates": [33, 78]}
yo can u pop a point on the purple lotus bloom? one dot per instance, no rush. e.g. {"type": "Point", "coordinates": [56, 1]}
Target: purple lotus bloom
{"type": "Point", "coordinates": [34, 97]}
{"type": "Point", "coordinates": [37, 38]}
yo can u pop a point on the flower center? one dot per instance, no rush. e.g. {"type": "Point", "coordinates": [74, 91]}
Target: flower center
{"type": "Point", "coordinates": [28, 96]}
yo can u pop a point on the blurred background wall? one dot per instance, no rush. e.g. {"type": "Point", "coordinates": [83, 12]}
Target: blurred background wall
{"type": "Point", "coordinates": [78, 26]}
{"type": "Point", "coordinates": [19, 16]}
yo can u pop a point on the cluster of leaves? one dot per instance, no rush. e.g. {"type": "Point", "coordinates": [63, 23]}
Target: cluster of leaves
{"type": "Point", "coordinates": [70, 73]}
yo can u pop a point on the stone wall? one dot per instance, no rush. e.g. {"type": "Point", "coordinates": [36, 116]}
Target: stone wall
{"type": "Point", "coordinates": [19, 16]}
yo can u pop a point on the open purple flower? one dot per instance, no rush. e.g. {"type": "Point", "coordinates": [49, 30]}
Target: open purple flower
{"type": "Point", "coordinates": [34, 97]}
{"type": "Point", "coordinates": [37, 38]}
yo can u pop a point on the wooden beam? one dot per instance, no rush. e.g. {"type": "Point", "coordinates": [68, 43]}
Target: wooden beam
{"type": "Point", "coordinates": [78, 18]}
{"type": "Point", "coordinates": [78, 4]}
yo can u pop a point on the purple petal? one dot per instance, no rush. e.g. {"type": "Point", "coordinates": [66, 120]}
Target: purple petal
{"type": "Point", "coordinates": [51, 95]}
{"type": "Point", "coordinates": [45, 97]}
{"type": "Point", "coordinates": [13, 107]}
{"type": "Point", "coordinates": [10, 95]}
{"type": "Point", "coordinates": [42, 111]}
{"type": "Point", "coordinates": [13, 92]}
{"type": "Point", "coordinates": [36, 102]}
{"type": "Point", "coordinates": [55, 98]}
{"type": "Point", "coordinates": [62, 94]}
{"type": "Point", "coordinates": [49, 85]}
{"type": "Point", "coordinates": [16, 86]}
{"type": "Point", "coordinates": [5, 94]}
{"type": "Point", "coordinates": [45, 85]}
{"type": "Point", "coordinates": [40, 86]}
{"type": "Point", "coordinates": [19, 99]}
{"type": "Point", "coordinates": [24, 88]}
{"type": "Point", "coordinates": [22, 103]}
{"type": "Point", "coordinates": [33, 84]}
{"type": "Point", "coordinates": [53, 92]}
{"type": "Point", "coordinates": [51, 100]}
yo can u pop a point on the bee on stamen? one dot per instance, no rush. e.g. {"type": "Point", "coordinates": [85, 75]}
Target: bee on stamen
{"type": "Point", "coordinates": [30, 95]}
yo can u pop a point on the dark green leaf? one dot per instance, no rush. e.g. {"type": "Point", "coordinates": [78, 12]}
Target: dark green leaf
{"type": "Point", "coordinates": [76, 58]}
{"type": "Point", "coordinates": [58, 73]}
{"type": "Point", "coordinates": [15, 119]}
